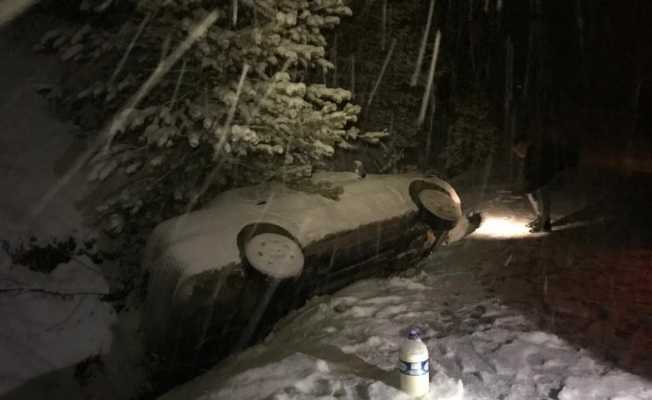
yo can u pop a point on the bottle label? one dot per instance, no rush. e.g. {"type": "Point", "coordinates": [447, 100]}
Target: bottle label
{"type": "Point", "coordinates": [414, 368]}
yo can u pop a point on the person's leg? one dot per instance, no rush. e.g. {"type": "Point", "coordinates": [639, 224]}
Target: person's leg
{"type": "Point", "coordinates": [532, 197]}
{"type": "Point", "coordinates": [541, 202]}
{"type": "Point", "coordinates": [544, 202]}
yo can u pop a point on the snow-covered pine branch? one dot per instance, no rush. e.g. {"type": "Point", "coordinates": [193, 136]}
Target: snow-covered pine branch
{"type": "Point", "coordinates": [192, 104]}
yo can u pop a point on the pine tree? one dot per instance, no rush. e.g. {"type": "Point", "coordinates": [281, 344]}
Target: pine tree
{"type": "Point", "coordinates": [238, 107]}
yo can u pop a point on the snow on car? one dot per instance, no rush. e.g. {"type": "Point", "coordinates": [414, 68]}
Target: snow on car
{"type": "Point", "coordinates": [220, 277]}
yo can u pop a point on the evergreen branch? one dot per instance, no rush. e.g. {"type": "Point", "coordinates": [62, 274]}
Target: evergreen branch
{"type": "Point", "coordinates": [108, 134]}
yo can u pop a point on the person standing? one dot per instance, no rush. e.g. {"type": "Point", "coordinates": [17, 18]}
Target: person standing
{"type": "Point", "coordinates": [539, 169]}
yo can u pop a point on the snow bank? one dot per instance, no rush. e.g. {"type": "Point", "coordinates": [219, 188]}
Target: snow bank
{"type": "Point", "coordinates": [615, 385]}
{"type": "Point", "coordinates": [346, 346]}
{"type": "Point", "coordinates": [47, 322]}
{"type": "Point", "coordinates": [51, 322]}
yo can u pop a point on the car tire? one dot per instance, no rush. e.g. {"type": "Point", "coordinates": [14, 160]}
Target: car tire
{"type": "Point", "coordinates": [272, 251]}
{"type": "Point", "coordinates": [435, 204]}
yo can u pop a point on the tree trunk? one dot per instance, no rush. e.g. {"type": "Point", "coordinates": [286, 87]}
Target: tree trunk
{"type": "Point", "coordinates": [334, 60]}
{"type": "Point", "coordinates": [472, 41]}
{"type": "Point", "coordinates": [383, 40]}
{"type": "Point", "coordinates": [509, 100]}
{"type": "Point", "coordinates": [457, 62]}
{"type": "Point", "coordinates": [353, 76]}
{"type": "Point", "coordinates": [581, 43]}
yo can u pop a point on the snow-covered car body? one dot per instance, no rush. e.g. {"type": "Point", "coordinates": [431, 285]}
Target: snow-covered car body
{"type": "Point", "coordinates": [209, 295]}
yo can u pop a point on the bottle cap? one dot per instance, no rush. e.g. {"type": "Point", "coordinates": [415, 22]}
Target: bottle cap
{"type": "Point", "coordinates": [413, 334]}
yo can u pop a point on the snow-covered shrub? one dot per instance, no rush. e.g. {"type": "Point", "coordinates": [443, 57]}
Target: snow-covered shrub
{"type": "Point", "coordinates": [235, 108]}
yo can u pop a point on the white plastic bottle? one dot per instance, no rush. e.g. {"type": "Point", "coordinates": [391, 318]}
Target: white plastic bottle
{"type": "Point", "coordinates": [414, 365]}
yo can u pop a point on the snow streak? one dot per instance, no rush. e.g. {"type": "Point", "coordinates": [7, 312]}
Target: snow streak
{"type": "Point", "coordinates": [116, 125]}
{"type": "Point", "coordinates": [422, 48]}
{"type": "Point", "coordinates": [431, 77]}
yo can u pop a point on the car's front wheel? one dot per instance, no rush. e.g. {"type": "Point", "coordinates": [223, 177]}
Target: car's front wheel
{"type": "Point", "coordinates": [436, 205]}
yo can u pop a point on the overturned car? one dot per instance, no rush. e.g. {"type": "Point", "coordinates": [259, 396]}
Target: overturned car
{"type": "Point", "coordinates": [220, 277]}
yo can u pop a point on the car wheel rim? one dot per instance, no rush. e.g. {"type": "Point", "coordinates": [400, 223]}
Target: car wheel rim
{"type": "Point", "coordinates": [438, 204]}
{"type": "Point", "coordinates": [275, 255]}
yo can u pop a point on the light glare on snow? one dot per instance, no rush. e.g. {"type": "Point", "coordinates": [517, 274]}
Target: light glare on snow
{"type": "Point", "coordinates": [502, 227]}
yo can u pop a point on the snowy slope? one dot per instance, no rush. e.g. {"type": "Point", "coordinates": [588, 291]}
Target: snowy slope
{"type": "Point", "coordinates": [43, 329]}
{"type": "Point", "coordinates": [346, 346]}
{"type": "Point", "coordinates": [49, 322]}
{"type": "Point", "coordinates": [35, 147]}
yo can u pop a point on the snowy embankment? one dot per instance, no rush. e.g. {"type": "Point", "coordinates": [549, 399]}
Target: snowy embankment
{"type": "Point", "coordinates": [346, 346]}
{"type": "Point", "coordinates": [50, 321]}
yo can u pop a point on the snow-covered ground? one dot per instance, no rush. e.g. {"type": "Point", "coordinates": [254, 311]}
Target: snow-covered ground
{"type": "Point", "coordinates": [345, 346]}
